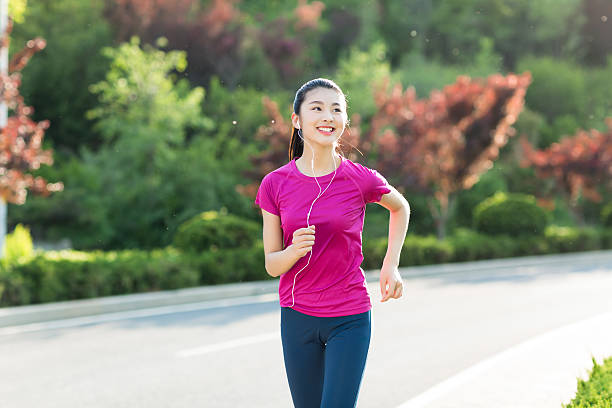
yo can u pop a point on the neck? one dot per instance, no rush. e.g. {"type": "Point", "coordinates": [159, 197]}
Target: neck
{"type": "Point", "coordinates": [324, 161]}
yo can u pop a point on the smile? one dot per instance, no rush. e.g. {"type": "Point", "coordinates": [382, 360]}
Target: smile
{"type": "Point", "coordinates": [326, 130]}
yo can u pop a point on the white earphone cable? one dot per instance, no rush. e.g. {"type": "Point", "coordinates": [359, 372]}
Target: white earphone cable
{"type": "Point", "coordinates": [308, 216]}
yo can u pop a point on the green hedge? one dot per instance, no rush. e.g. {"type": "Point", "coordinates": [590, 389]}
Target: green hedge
{"type": "Point", "coordinates": [511, 214]}
{"type": "Point", "coordinates": [597, 391]}
{"type": "Point", "coordinates": [216, 230]}
{"type": "Point", "coordinates": [64, 275]}
{"type": "Point", "coordinates": [606, 216]}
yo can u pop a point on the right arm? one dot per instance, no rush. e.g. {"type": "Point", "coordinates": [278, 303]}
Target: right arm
{"type": "Point", "coordinates": [279, 260]}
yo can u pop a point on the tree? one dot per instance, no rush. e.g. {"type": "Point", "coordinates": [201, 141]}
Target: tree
{"type": "Point", "coordinates": [211, 35]}
{"type": "Point", "coordinates": [597, 31]}
{"type": "Point", "coordinates": [20, 137]}
{"type": "Point", "coordinates": [57, 81]}
{"type": "Point", "coordinates": [578, 165]}
{"type": "Point", "coordinates": [443, 144]}
{"type": "Point", "coordinates": [144, 115]}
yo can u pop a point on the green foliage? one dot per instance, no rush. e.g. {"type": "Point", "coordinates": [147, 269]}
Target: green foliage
{"type": "Point", "coordinates": [403, 26]}
{"type": "Point", "coordinates": [428, 75]}
{"type": "Point", "coordinates": [229, 265]}
{"type": "Point", "coordinates": [16, 9]}
{"type": "Point", "coordinates": [568, 239]}
{"type": "Point", "coordinates": [513, 214]}
{"type": "Point", "coordinates": [568, 95]}
{"type": "Point", "coordinates": [150, 177]}
{"type": "Point", "coordinates": [261, 73]}
{"type": "Point", "coordinates": [558, 87]}
{"type": "Point", "coordinates": [55, 83]}
{"type": "Point", "coordinates": [64, 275]}
{"type": "Point", "coordinates": [606, 215]}
{"type": "Point", "coordinates": [596, 392]}
{"type": "Point", "coordinates": [517, 27]}
{"type": "Point", "coordinates": [17, 246]}
{"type": "Point", "coordinates": [470, 245]}
{"type": "Point", "coordinates": [68, 274]}
{"type": "Point", "coordinates": [489, 183]}
{"type": "Point", "coordinates": [358, 74]}
{"type": "Point", "coordinates": [213, 230]}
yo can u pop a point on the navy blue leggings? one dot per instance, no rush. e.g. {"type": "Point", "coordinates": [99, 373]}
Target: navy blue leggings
{"type": "Point", "coordinates": [325, 357]}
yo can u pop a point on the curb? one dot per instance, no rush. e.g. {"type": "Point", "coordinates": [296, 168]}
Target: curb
{"type": "Point", "coordinates": [20, 315]}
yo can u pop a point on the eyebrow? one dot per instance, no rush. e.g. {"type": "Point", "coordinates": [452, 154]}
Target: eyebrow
{"type": "Point", "coordinates": [313, 102]}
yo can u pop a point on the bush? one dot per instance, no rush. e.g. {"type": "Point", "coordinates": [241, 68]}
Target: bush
{"type": "Point", "coordinates": [229, 265]}
{"type": "Point", "coordinates": [469, 245]}
{"type": "Point", "coordinates": [416, 250]}
{"type": "Point", "coordinates": [606, 215]}
{"type": "Point", "coordinates": [606, 238]}
{"type": "Point", "coordinates": [568, 239]}
{"type": "Point", "coordinates": [64, 275]}
{"type": "Point", "coordinates": [216, 230]}
{"type": "Point", "coordinates": [424, 251]}
{"type": "Point", "coordinates": [17, 246]}
{"type": "Point", "coordinates": [512, 214]}
{"type": "Point", "coordinates": [597, 391]}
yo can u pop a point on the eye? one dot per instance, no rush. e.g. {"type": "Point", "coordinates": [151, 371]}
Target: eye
{"type": "Point", "coordinates": [316, 107]}
{"type": "Point", "coordinates": [338, 110]}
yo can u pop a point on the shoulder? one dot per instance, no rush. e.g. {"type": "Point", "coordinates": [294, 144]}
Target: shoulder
{"type": "Point", "coordinates": [278, 175]}
{"type": "Point", "coordinates": [359, 170]}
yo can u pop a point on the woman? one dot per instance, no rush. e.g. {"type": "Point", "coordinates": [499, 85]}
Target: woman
{"type": "Point", "coordinates": [315, 205]}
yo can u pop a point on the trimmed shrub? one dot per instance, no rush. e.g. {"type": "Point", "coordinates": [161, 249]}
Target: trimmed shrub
{"type": "Point", "coordinates": [416, 250]}
{"type": "Point", "coordinates": [606, 216]}
{"type": "Point", "coordinates": [425, 251]}
{"type": "Point", "coordinates": [596, 392]}
{"type": "Point", "coordinates": [568, 239]}
{"type": "Point", "coordinates": [213, 230]}
{"type": "Point", "coordinates": [18, 246]}
{"type": "Point", "coordinates": [511, 214]}
{"type": "Point", "coordinates": [65, 275]}
{"type": "Point", "coordinates": [606, 238]}
{"type": "Point", "coordinates": [229, 265]}
{"type": "Point", "coordinates": [469, 245]}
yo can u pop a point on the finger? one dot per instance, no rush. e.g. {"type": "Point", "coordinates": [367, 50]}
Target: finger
{"type": "Point", "coordinates": [397, 292]}
{"type": "Point", "coordinates": [386, 294]}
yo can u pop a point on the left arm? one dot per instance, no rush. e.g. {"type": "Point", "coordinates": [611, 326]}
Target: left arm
{"type": "Point", "coordinates": [390, 280]}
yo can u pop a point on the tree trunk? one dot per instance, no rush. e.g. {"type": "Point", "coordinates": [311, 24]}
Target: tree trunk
{"type": "Point", "coordinates": [441, 214]}
{"type": "Point", "coordinates": [577, 215]}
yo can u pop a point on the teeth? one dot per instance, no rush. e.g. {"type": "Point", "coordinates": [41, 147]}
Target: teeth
{"type": "Point", "coordinates": [326, 129]}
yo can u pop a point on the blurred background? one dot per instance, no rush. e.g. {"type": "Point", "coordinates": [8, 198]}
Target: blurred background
{"type": "Point", "coordinates": [162, 117]}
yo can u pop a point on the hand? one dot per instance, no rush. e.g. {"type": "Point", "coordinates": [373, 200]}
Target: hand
{"type": "Point", "coordinates": [303, 240]}
{"type": "Point", "coordinates": [391, 284]}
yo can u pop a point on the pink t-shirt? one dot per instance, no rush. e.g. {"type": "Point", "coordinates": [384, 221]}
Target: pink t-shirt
{"type": "Point", "coordinates": [333, 283]}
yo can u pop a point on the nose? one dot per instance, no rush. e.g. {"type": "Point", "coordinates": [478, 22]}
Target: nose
{"type": "Point", "coordinates": [327, 116]}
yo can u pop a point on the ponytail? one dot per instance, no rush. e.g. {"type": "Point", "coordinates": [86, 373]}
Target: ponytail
{"type": "Point", "coordinates": [296, 146]}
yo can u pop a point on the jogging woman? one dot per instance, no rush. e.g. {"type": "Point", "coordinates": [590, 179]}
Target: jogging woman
{"type": "Point", "coordinates": [313, 211]}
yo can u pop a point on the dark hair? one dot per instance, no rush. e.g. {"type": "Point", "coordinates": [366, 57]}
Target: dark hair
{"type": "Point", "coordinates": [296, 146]}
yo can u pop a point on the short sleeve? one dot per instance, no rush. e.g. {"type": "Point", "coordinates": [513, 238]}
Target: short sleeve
{"type": "Point", "coordinates": [375, 186]}
{"type": "Point", "coordinates": [266, 196]}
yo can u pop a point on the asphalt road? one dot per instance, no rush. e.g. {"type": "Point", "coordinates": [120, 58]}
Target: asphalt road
{"type": "Point", "coordinates": [231, 356]}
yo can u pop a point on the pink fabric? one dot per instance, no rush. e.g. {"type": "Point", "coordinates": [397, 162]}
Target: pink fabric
{"type": "Point", "coordinates": [333, 283]}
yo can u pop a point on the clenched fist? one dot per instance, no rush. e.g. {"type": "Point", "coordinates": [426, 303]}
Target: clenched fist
{"type": "Point", "coordinates": [303, 240]}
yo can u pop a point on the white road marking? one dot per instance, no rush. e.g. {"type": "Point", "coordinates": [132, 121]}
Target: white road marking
{"type": "Point", "coordinates": [448, 385]}
{"type": "Point", "coordinates": [245, 341]}
{"type": "Point", "coordinates": [134, 314]}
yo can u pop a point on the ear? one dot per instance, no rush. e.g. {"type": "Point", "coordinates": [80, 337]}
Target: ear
{"type": "Point", "coordinates": [295, 120]}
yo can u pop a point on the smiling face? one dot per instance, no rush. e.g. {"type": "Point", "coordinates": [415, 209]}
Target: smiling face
{"type": "Point", "coordinates": [322, 116]}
